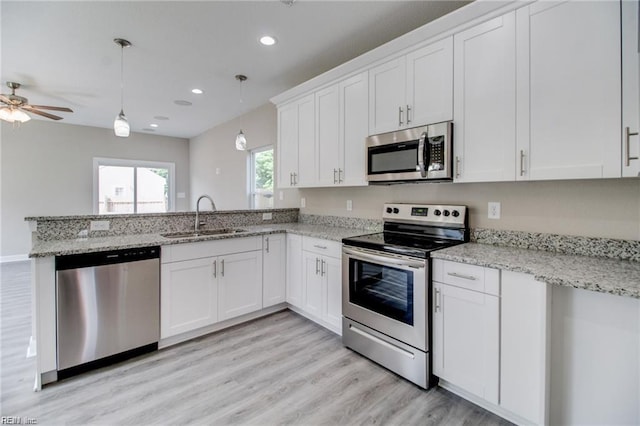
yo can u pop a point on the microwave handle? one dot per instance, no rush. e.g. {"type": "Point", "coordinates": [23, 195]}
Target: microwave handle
{"type": "Point", "coordinates": [423, 152]}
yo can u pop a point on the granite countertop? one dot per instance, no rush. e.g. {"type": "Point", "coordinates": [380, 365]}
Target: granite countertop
{"type": "Point", "coordinates": [619, 277]}
{"type": "Point", "coordinates": [94, 244]}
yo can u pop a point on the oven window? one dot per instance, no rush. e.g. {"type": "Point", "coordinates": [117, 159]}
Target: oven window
{"type": "Point", "coordinates": [382, 289]}
{"type": "Point", "coordinates": [394, 158]}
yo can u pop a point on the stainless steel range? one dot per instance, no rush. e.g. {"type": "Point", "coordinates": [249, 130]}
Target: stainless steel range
{"type": "Point", "coordinates": [386, 286]}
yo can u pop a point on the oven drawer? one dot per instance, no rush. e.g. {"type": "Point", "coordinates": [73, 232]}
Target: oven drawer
{"type": "Point", "coordinates": [472, 277]}
{"type": "Point", "coordinates": [323, 247]}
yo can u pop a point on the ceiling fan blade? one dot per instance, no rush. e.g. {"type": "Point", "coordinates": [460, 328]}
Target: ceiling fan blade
{"type": "Point", "coordinates": [4, 99]}
{"type": "Point", "coordinates": [42, 113]}
{"type": "Point", "coordinates": [53, 108]}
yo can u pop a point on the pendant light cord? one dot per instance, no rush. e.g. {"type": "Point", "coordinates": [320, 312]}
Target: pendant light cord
{"type": "Point", "coordinates": [121, 78]}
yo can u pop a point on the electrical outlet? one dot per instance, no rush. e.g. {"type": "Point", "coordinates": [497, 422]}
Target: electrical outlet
{"type": "Point", "coordinates": [349, 205]}
{"type": "Point", "coordinates": [99, 225]}
{"type": "Point", "coordinates": [281, 195]}
{"type": "Point", "coordinates": [494, 210]}
{"type": "Point", "coordinates": [267, 216]}
{"type": "Point", "coordinates": [303, 202]}
{"type": "Point", "coordinates": [217, 170]}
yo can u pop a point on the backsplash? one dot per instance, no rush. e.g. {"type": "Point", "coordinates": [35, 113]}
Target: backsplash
{"type": "Point", "coordinates": [566, 244]}
{"type": "Point", "coordinates": [68, 227]}
{"type": "Point", "coordinates": [372, 225]}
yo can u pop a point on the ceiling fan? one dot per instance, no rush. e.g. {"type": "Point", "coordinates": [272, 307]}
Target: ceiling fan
{"type": "Point", "coordinates": [15, 106]}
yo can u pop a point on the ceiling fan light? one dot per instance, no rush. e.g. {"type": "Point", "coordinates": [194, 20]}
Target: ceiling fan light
{"type": "Point", "coordinates": [5, 114]}
{"type": "Point", "coordinates": [121, 125]}
{"type": "Point", "coordinates": [241, 142]}
{"type": "Point", "coordinates": [13, 114]}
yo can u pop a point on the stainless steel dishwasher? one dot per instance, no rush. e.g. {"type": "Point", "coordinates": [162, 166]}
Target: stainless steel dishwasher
{"type": "Point", "coordinates": [108, 307]}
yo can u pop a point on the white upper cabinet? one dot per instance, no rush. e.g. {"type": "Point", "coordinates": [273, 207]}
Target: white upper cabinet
{"type": "Point", "coordinates": [327, 135]}
{"type": "Point", "coordinates": [485, 101]}
{"type": "Point", "coordinates": [412, 90]}
{"type": "Point", "coordinates": [296, 143]}
{"type": "Point", "coordinates": [569, 97]}
{"type": "Point", "coordinates": [354, 125]}
{"type": "Point", "coordinates": [630, 88]}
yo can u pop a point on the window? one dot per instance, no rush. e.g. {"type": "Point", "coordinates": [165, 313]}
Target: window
{"type": "Point", "coordinates": [131, 186]}
{"type": "Point", "coordinates": [261, 178]}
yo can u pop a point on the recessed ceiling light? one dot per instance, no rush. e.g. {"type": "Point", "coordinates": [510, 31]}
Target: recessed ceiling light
{"type": "Point", "coordinates": [160, 117]}
{"type": "Point", "coordinates": [197, 91]}
{"type": "Point", "coordinates": [267, 40]}
{"type": "Point", "coordinates": [154, 125]}
{"type": "Point", "coordinates": [182, 103]}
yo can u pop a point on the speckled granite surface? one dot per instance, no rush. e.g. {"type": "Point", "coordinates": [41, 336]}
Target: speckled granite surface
{"type": "Point", "coordinates": [619, 277]}
{"type": "Point", "coordinates": [87, 245]}
{"type": "Point", "coordinates": [567, 244]}
{"type": "Point", "coordinates": [344, 222]}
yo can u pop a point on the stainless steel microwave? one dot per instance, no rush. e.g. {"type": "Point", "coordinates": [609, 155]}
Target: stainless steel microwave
{"type": "Point", "coordinates": [411, 155]}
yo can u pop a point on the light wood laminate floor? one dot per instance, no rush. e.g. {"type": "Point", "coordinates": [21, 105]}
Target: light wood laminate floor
{"type": "Point", "coordinates": [282, 369]}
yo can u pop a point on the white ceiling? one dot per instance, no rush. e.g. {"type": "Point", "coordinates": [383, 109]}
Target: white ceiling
{"type": "Point", "coordinates": [63, 53]}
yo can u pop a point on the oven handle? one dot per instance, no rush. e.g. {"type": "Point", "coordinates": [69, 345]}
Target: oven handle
{"type": "Point", "coordinates": [366, 256]}
{"type": "Point", "coordinates": [381, 342]}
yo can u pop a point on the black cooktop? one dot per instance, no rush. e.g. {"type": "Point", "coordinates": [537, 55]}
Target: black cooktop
{"type": "Point", "coordinates": [400, 243]}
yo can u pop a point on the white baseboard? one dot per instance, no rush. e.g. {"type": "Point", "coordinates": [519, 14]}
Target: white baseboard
{"type": "Point", "coordinates": [14, 258]}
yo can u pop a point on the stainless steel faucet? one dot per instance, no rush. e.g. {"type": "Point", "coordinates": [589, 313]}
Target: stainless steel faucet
{"type": "Point", "coordinates": [213, 208]}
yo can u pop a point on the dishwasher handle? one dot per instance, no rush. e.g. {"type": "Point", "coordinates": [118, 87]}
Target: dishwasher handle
{"type": "Point", "coordinates": [110, 257]}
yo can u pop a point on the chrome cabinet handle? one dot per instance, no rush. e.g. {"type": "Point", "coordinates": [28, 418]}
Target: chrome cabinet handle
{"type": "Point", "coordinates": [400, 111]}
{"type": "Point", "coordinates": [295, 178]}
{"type": "Point", "coordinates": [222, 266]}
{"type": "Point", "coordinates": [627, 136]}
{"type": "Point", "coordinates": [215, 269]}
{"type": "Point", "coordinates": [521, 162]}
{"type": "Point", "coordinates": [463, 276]}
{"type": "Point", "coordinates": [340, 178]}
{"type": "Point", "coordinates": [320, 247]}
{"type": "Point", "coordinates": [317, 267]}
{"type": "Point", "coordinates": [322, 263]}
{"type": "Point", "coordinates": [408, 115]}
{"type": "Point", "coordinates": [437, 301]}
{"type": "Point", "coordinates": [291, 179]}
{"type": "Point", "coordinates": [457, 166]}
{"type": "Point", "coordinates": [334, 176]}
{"type": "Point", "coordinates": [267, 241]}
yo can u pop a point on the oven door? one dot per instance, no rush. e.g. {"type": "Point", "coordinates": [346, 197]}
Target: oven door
{"type": "Point", "coordinates": [387, 293]}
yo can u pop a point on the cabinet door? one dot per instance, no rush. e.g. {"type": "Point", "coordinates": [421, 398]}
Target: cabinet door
{"type": "Point", "coordinates": [631, 88]}
{"type": "Point", "coordinates": [466, 340]}
{"type": "Point", "coordinates": [240, 284]}
{"type": "Point", "coordinates": [354, 126]}
{"type": "Point", "coordinates": [274, 270]}
{"type": "Point", "coordinates": [569, 89]}
{"type": "Point", "coordinates": [312, 282]}
{"type": "Point", "coordinates": [287, 144]}
{"type": "Point", "coordinates": [332, 270]}
{"type": "Point", "coordinates": [327, 135]}
{"type": "Point", "coordinates": [294, 270]}
{"type": "Point", "coordinates": [485, 101]}
{"type": "Point", "coordinates": [524, 346]}
{"type": "Point", "coordinates": [307, 148]}
{"type": "Point", "coordinates": [430, 84]}
{"type": "Point", "coordinates": [387, 108]}
{"type": "Point", "coordinates": [188, 296]}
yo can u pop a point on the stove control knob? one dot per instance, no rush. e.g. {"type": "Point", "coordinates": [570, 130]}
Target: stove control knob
{"type": "Point", "coordinates": [389, 209]}
{"type": "Point", "coordinates": [395, 210]}
{"type": "Point", "coordinates": [455, 213]}
{"type": "Point", "coordinates": [437, 212]}
{"type": "Point", "coordinates": [446, 212]}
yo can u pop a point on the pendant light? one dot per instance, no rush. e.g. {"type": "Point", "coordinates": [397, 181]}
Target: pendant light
{"type": "Point", "coordinates": [241, 140]}
{"type": "Point", "coordinates": [121, 124]}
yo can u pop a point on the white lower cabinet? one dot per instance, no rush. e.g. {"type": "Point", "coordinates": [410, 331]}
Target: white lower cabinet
{"type": "Point", "coordinates": [466, 343]}
{"type": "Point", "coordinates": [240, 284]}
{"type": "Point", "coordinates": [207, 282]}
{"type": "Point", "coordinates": [273, 269]}
{"type": "Point", "coordinates": [490, 338]}
{"type": "Point", "coordinates": [314, 284]}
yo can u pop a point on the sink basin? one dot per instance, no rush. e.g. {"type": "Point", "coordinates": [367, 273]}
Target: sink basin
{"type": "Point", "coordinates": [203, 233]}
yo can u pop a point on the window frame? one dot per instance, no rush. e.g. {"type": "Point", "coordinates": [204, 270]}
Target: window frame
{"type": "Point", "coordinates": [122, 162]}
{"type": "Point", "coordinates": [251, 171]}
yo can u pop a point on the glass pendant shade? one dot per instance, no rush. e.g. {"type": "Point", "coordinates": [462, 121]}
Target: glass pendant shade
{"type": "Point", "coordinates": [241, 142]}
{"type": "Point", "coordinates": [121, 125]}
{"type": "Point", "coordinates": [13, 114]}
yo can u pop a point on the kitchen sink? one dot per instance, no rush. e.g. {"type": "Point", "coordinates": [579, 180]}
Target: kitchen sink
{"type": "Point", "coordinates": [203, 233]}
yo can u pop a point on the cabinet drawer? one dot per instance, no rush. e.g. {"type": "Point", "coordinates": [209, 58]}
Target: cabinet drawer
{"type": "Point", "coordinates": [324, 247]}
{"type": "Point", "coordinates": [472, 277]}
{"type": "Point", "coordinates": [198, 250]}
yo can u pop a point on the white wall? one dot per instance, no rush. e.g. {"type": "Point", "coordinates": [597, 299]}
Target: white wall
{"type": "Point", "coordinates": [607, 208]}
{"type": "Point", "coordinates": [215, 150]}
{"type": "Point", "coordinates": [47, 169]}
